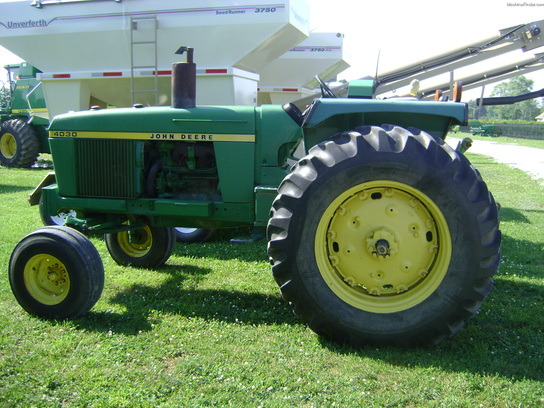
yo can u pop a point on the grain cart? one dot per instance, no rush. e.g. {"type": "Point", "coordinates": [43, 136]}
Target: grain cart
{"type": "Point", "coordinates": [24, 118]}
{"type": "Point", "coordinates": [380, 234]}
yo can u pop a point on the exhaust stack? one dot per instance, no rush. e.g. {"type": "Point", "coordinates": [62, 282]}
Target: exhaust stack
{"type": "Point", "coordinates": [184, 81]}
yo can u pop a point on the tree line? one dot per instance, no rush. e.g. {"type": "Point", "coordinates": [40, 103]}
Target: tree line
{"type": "Point", "coordinates": [521, 111]}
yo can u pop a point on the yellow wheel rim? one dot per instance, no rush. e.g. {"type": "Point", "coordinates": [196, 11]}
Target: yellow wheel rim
{"type": "Point", "coordinates": [8, 145]}
{"type": "Point", "coordinates": [136, 243]}
{"type": "Point", "coordinates": [46, 279]}
{"type": "Point", "coordinates": [383, 246]}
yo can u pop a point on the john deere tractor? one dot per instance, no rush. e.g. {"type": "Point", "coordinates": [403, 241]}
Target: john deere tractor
{"type": "Point", "coordinates": [379, 234]}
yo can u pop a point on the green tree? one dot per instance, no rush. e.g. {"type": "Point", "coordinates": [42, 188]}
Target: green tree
{"type": "Point", "coordinates": [5, 96]}
{"type": "Point", "coordinates": [475, 111]}
{"type": "Point", "coordinates": [526, 110]}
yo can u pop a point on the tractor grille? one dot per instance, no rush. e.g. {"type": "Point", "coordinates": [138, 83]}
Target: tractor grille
{"type": "Point", "coordinates": [105, 168]}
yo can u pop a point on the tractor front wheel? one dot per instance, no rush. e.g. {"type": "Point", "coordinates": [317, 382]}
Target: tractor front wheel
{"type": "Point", "coordinates": [384, 236]}
{"type": "Point", "coordinates": [56, 273]}
{"type": "Point", "coordinates": [147, 247]}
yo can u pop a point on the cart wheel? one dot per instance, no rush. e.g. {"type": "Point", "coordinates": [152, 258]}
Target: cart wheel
{"type": "Point", "coordinates": [192, 235]}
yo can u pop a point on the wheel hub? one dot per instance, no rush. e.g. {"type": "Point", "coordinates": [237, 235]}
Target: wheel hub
{"type": "Point", "coordinates": [8, 145]}
{"type": "Point", "coordinates": [46, 279]}
{"type": "Point", "coordinates": [382, 244]}
{"type": "Point", "coordinates": [136, 243]}
{"type": "Point", "coordinates": [382, 247]}
{"type": "Point", "coordinates": [386, 246]}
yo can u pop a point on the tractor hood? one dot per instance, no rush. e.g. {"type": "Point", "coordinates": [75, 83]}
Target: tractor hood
{"type": "Point", "coordinates": [154, 123]}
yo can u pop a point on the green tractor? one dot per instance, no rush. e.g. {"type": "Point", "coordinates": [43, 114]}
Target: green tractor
{"type": "Point", "coordinates": [380, 234]}
{"type": "Point", "coordinates": [23, 116]}
{"type": "Point", "coordinates": [24, 135]}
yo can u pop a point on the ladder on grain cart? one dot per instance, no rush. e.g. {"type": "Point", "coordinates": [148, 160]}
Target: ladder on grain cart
{"type": "Point", "coordinates": [143, 57]}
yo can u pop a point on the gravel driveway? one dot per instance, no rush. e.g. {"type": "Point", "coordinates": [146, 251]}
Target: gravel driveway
{"type": "Point", "coordinates": [528, 159]}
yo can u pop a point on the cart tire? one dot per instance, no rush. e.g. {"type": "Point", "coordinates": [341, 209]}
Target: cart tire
{"type": "Point", "coordinates": [149, 247]}
{"type": "Point", "coordinates": [384, 236]}
{"type": "Point", "coordinates": [193, 235]}
{"type": "Point", "coordinates": [56, 273]}
{"type": "Point", "coordinates": [19, 144]}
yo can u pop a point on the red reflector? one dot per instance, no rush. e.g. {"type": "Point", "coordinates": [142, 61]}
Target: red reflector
{"type": "Point", "coordinates": [112, 74]}
{"type": "Point", "coordinates": [216, 71]}
{"type": "Point", "coordinates": [61, 75]}
{"type": "Point", "coordinates": [290, 90]}
{"type": "Point", "coordinates": [162, 72]}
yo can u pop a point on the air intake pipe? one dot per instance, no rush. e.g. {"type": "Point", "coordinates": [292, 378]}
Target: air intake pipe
{"type": "Point", "coordinates": [184, 81]}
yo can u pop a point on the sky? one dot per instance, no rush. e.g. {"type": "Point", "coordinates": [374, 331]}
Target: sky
{"type": "Point", "coordinates": [405, 31]}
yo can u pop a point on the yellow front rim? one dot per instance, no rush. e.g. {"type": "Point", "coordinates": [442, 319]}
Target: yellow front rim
{"type": "Point", "coordinates": [8, 145]}
{"type": "Point", "coordinates": [383, 246]}
{"type": "Point", "coordinates": [46, 279]}
{"type": "Point", "coordinates": [136, 243]}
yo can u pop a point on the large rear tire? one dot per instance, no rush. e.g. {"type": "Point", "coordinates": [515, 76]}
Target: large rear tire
{"type": "Point", "coordinates": [56, 273]}
{"type": "Point", "coordinates": [147, 247]}
{"type": "Point", "coordinates": [19, 144]}
{"type": "Point", "coordinates": [384, 236]}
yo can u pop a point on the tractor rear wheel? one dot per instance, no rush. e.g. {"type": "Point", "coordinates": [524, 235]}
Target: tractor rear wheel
{"type": "Point", "coordinates": [56, 273]}
{"type": "Point", "coordinates": [384, 236]}
{"type": "Point", "coordinates": [147, 247]}
{"type": "Point", "coordinates": [19, 144]}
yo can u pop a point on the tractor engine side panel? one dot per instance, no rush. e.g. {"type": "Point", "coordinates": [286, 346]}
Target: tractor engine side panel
{"type": "Point", "coordinates": [166, 159]}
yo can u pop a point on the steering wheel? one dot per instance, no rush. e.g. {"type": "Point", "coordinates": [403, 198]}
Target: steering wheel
{"type": "Point", "coordinates": [325, 90]}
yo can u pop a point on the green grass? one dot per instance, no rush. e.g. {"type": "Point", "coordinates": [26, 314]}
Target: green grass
{"type": "Point", "coordinates": [210, 329]}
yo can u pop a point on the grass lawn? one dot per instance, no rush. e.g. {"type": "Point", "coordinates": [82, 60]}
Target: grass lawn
{"type": "Point", "coordinates": [210, 329]}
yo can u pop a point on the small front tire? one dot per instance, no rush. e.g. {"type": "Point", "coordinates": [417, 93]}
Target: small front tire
{"type": "Point", "coordinates": [56, 273]}
{"type": "Point", "coordinates": [147, 247]}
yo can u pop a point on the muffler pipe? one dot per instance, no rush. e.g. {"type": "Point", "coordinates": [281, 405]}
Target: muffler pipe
{"type": "Point", "coordinates": [184, 81]}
